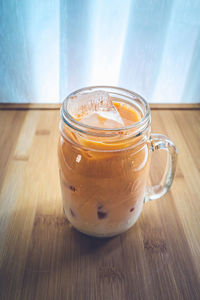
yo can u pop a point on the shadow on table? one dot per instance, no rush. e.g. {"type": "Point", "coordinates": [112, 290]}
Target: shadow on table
{"type": "Point", "coordinates": [53, 250]}
{"type": "Point", "coordinates": [54, 258]}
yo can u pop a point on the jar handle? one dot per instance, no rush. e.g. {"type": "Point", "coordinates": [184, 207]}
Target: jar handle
{"type": "Point", "coordinates": [159, 141]}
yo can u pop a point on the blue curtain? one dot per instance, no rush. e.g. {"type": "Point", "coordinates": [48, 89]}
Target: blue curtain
{"type": "Point", "coordinates": [50, 48]}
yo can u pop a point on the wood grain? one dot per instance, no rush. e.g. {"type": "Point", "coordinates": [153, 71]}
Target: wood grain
{"type": "Point", "coordinates": [56, 106]}
{"type": "Point", "coordinates": [43, 257]}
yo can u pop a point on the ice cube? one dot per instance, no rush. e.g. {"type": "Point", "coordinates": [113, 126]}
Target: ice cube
{"type": "Point", "coordinates": [95, 109]}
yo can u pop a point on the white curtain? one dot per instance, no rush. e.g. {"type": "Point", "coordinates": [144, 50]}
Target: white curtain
{"type": "Point", "coordinates": [48, 48]}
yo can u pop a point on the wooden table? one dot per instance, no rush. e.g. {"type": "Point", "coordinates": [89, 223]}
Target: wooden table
{"type": "Point", "coordinates": [43, 257]}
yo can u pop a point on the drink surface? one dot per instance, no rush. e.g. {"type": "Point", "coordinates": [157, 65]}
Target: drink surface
{"type": "Point", "coordinates": [103, 182]}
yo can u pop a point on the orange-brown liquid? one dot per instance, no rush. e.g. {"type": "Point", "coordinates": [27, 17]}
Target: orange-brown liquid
{"type": "Point", "coordinates": [103, 183]}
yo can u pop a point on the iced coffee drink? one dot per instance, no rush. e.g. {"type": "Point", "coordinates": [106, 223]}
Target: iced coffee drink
{"type": "Point", "coordinates": [103, 161]}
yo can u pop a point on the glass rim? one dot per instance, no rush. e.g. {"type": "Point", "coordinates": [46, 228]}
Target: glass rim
{"type": "Point", "coordinates": [70, 121]}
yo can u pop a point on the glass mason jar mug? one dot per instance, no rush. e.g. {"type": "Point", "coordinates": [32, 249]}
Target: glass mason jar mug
{"type": "Point", "coordinates": [104, 172]}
